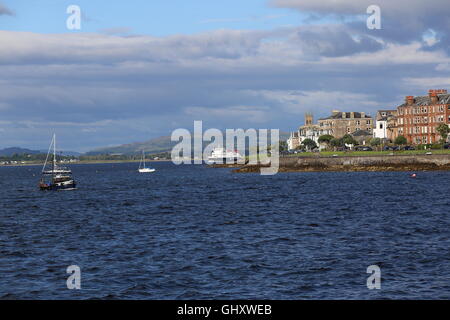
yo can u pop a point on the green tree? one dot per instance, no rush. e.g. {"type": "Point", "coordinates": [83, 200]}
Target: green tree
{"type": "Point", "coordinates": [326, 138]}
{"type": "Point", "coordinates": [443, 130]}
{"type": "Point", "coordinates": [283, 146]}
{"type": "Point", "coordinates": [336, 142]}
{"type": "Point", "coordinates": [348, 139]}
{"type": "Point", "coordinates": [309, 144]}
{"type": "Point", "coordinates": [375, 142]}
{"type": "Point", "coordinates": [400, 140]}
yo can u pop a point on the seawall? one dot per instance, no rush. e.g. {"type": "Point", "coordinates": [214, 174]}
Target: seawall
{"type": "Point", "coordinates": [360, 163]}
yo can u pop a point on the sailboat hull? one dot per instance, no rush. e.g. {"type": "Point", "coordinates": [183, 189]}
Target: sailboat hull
{"type": "Point", "coordinates": [70, 185]}
{"type": "Point", "coordinates": [146, 170]}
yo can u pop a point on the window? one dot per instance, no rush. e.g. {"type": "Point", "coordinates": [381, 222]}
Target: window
{"type": "Point", "coordinates": [381, 125]}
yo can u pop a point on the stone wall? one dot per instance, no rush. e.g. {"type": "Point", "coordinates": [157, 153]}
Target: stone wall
{"type": "Point", "coordinates": [365, 160]}
{"type": "Point", "coordinates": [363, 163]}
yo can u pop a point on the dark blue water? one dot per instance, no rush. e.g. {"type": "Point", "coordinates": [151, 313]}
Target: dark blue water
{"type": "Point", "coordinates": [191, 232]}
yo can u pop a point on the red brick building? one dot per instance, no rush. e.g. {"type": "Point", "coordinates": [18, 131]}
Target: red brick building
{"type": "Point", "coordinates": [418, 117]}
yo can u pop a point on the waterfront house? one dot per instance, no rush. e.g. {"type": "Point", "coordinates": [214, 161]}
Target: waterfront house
{"type": "Point", "coordinates": [339, 123]}
{"type": "Point", "coordinates": [385, 125]}
{"type": "Point", "coordinates": [419, 116]}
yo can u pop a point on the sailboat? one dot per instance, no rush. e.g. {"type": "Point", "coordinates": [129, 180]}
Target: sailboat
{"type": "Point", "coordinates": [142, 168]}
{"type": "Point", "coordinates": [57, 177]}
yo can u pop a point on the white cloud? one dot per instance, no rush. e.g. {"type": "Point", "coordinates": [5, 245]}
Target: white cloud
{"type": "Point", "coordinates": [251, 114]}
{"type": "Point", "coordinates": [144, 86]}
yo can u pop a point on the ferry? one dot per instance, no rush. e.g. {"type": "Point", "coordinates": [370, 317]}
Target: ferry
{"type": "Point", "coordinates": [222, 156]}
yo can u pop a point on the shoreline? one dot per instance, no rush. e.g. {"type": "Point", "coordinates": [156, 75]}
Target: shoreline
{"type": "Point", "coordinates": [256, 169]}
{"type": "Point", "coordinates": [439, 162]}
{"type": "Point", "coordinates": [81, 162]}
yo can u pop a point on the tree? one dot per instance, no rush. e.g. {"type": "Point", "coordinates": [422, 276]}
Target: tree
{"type": "Point", "coordinates": [309, 144]}
{"type": "Point", "coordinates": [443, 130]}
{"type": "Point", "coordinates": [326, 138]}
{"type": "Point", "coordinates": [336, 142]}
{"type": "Point", "coordinates": [348, 139]}
{"type": "Point", "coordinates": [400, 140]}
{"type": "Point", "coordinates": [283, 146]}
{"type": "Point", "coordinates": [375, 142]}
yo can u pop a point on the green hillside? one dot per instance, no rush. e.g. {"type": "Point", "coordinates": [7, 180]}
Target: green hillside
{"type": "Point", "coordinates": [156, 145]}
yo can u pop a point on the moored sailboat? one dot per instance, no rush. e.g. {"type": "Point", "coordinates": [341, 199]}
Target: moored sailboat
{"type": "Point", "coordinates": [142, 167]}
{"type": "Point", "coordinates": [57, 177]}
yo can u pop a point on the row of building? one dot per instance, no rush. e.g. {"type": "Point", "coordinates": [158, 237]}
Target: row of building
{"type": "Point", "coordinates": [416, 119]}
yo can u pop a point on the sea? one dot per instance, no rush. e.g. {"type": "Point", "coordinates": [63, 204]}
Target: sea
{"type": "Point", "coordinates": [194, 232]}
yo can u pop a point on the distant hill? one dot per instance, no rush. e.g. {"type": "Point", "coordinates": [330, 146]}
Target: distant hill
{"type": "Point", "coordinates": [157, 145]}
{"type": "Point", "coordinates": [8, 152]}
{"type": "Point", "coordinates": [65, 153]}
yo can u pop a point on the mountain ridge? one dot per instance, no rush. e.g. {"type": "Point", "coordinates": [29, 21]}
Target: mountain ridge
{"type": "Point", "coordinates": [155, 145]}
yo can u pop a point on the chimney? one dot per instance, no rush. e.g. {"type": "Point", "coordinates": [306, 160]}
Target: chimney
{"type": "Point", "coordinates": [363, 114]}
{"type": "Point", "coordinates": [409, 100]}
{"type": "Point", "coordinates": [334, 112]}
{"type": "Point", "coordinates": [433, 94]}
{"type": "Point", "coordinates": [434, 98]}
{"type": "Point", "coordinates": [344, 115]}
{"type": "Point", "coordinates": [352, 115]}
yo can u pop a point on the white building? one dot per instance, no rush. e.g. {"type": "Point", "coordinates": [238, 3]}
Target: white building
{"type": "Point", "coordinates": [307, 131]}
{"type": "Point", "coordinates": [381, 124]}
{"type": "Point", "coordinates": [293, 141]}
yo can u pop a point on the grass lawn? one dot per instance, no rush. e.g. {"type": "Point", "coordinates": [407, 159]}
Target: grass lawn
{"type": "Point", "coordinates": [367, 153]}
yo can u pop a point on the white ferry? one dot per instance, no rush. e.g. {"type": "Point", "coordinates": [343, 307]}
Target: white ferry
{"type": "Point", "coordinates": [222, 156]}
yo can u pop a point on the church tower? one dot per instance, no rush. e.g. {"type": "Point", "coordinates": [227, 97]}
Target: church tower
{"type": "Point", "coordinates": [308, 119]}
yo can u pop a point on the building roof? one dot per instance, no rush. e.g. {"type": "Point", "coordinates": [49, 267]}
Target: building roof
{"type": "Point", "coordinates": [389, 113]}
{"type": "Point", "coordinates": [426, 100]}
{"type": "Point", "coordinates": [361, 133]}
{"type": "Point", "coordinates": [338, 115]}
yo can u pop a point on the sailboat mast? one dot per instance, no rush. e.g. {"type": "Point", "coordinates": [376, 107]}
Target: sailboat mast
{"type": "Point", "coordinates": [54, 152]}
{"type": "Point", "coordinates": [143, 157]}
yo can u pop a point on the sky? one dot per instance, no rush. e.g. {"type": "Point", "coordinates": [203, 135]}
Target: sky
{"type": "Point", "coordinates": [139, 69]}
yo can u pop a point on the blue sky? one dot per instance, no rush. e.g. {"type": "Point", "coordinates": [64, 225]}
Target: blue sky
{"type": "Point", "coordinates": [139, 69]}
{"type": "Point", "coordinates": [155, 17]}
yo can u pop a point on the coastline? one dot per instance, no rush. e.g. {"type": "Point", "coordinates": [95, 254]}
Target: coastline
{"type": "Point", "coordinates": [357, 164]}
{"type": "Point", "coordinates": [81, 162]}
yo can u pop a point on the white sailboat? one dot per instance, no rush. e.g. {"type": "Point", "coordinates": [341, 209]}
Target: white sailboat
{"type": "Point", "coordinates": [142, 167]}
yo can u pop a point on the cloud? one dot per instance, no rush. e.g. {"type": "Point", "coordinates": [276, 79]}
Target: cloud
{"type": "Point", "coordinates": [5, 10]}
{"type": "Point", "coordinates": [117, 31]}
{"type": "Point", "coordinates": [99, 89]}
{"type": "Point", "coordinates": [402, 20]}
{"type": "Point", "coordinates": [251, 114]}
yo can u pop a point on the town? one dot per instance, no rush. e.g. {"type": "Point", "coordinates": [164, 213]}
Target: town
{"type": "Point", "coordinates": [421, 122]}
